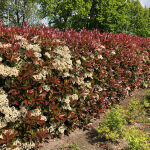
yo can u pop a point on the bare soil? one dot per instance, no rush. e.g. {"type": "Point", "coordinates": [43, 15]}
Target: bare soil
{"type": "Point", "coordinates": [85, 139]}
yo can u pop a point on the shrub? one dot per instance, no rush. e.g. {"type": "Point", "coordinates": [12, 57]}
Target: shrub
{"type": "Point", "coordinates": [53, 82]}
{"type": "Point", "coordinates": [146, 100]}
{"type": "Point", "coordinates": [135, 111]}
{"type": "Point", "coordinates": [113, 126]}
{"type": "Point", "coordinates": [137, 140]}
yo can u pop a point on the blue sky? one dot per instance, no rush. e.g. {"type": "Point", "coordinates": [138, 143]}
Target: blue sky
{"type": "Point", "coordinates": [145, 3]}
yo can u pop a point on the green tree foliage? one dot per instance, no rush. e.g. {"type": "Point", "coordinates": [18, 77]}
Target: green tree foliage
{"type": "Point", "coordinates": [112, 15]}
{"type": "Point", "coordinates": [2, 4]}
{"type": "Point", "coordinates": [138, 18]}
{"type": "Point", "coordinates": [146, 25]}
{"type": "Point", "coordinates": [66, 13]}
{"type": "Point", "coordinates": [15, 12]}
{"type": "Point", "coordinates": [106, 15]}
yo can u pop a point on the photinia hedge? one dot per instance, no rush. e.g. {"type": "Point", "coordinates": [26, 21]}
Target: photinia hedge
{"type": "Point", "coordinates": [52, 82]}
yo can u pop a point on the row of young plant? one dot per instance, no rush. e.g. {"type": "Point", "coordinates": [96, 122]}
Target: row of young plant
{"type": "Point", "coordinates": [119, 124]}
{"type": "Point", "coordinates": [53, 82]}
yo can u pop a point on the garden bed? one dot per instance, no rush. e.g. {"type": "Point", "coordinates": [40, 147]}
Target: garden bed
{"type": "Point", "coordinates": [84, 140]}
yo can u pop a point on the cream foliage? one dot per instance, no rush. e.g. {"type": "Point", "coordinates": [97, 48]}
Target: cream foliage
{"type": "Point", "coordinates": [23, 42]}
{"type": "Point", "coordinates": [11, 114]}
{"type": "Point", "coordinates": [67, 101]}
{"type": "Point", "coordinates": [46, 87]}
{"type": "Point", "coordinates": [88, 74]}
{"type": "Point", "coordinates": [4, 45]}
{"type": "Point", "coordinates": [8, 71]}
{"type": "Point", "coordinates": [41, 75]}
{"type": "Point", "coordinates": [37, 112]}
{"type": "Point", "coordinates": [62, 60]}
{"type": "Point", "coordinates": [61, 129]}
{"type": "Point", "coordinates": [52, 128]}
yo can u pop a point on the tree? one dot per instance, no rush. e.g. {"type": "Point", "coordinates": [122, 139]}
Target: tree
{"type": "Point", "coordinates": [92, 22]}
{"type": "Point", "coordinates": [65, 13]}
{"type": "Point", "coordinates": [106, 15]}
{"type": "Point", "coordinates": [15, 12]}
{"type": "Point", "coordinates": [145, 31]}
{"type": "Point", "coordinates": [4, 10]}
{"type": "Point", "coordinates": [139, 19]}
{"type": "Point", "coordinates": [112, 15]}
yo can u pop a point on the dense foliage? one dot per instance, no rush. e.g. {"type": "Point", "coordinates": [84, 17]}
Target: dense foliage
{"type": "Point", "coordinates": [116, 127]}
{"type": "Point", "coordinates": [15, 12]}
{"type": "Point", "coordinates": [115, 16]}
{"type": "Point", "coordinates": [52, 82]}
{"type": "Point", "coordinates": [113, 126]}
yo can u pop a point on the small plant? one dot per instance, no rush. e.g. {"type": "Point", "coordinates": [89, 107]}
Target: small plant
{"type": "Point", "coordinates": [71, 146]}
{"type": "Point", "coordinates": [112, 127]}
{"type": "Point", "coordinates": [146, 100]}
{"type": "Point", "coordinates": [146, 103]}
{"type": "Point", "coordinates": [137, 140]}
{"type": "Point", "coordinates": [135, 111]}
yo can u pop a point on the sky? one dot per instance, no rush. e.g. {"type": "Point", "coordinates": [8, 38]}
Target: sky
{"type": "Point", "coordinates": [145, 3]}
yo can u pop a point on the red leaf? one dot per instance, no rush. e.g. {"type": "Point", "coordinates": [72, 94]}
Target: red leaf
{"type": "Point", "coordinates": [40, 89]}
{"type": "Point", "coordinates": [55, 92]}
{"type": "Point", "coordinates": [61, 116]}
{"type": "Point", "coordinates": [102, 99]}
{"type": "Point", "coordinates": [26, 102]}
{"type": "Point", "coordinates": [41, 122]}
{"type": "Point", "coordinates": [43, 134]}
{"type": "Point", "coordinates": [51, 100]}
{"type": "Point", "coordinates": [16, 102]}
{"type": "Point", "coordinates": [26, 87]}
{"type": "Point", "coordinates": [29, 53]}
{"type": "Point", "coordinates": [12, 90]}
{"type": "Point", "coordinates": [28, 115]}
{"type": "Point", "coordinates": [46, 102]}
{"type": "Point", "coordinates": [25, 23]}
{"type": "Point", "coordinates": [40, 99]}
{"type": "Point", "coordinates": [30, 91]}
{"type": "Point", "coordinates": [2, 141]}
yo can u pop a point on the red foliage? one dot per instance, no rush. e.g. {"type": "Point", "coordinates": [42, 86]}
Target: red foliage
{"type": "Point", "coordinates": [124, 64]}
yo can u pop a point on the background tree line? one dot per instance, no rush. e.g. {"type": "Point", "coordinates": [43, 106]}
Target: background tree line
{"type": "Point", "coordinates": [15, 12]}
{"type": "Point", "coordinates": [116, 16]}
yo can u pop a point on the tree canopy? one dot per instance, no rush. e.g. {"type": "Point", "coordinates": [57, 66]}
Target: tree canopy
{"type": "Point", "coordinates": [15, 12]}
{"type": "Point", "coordinates": [116, 16]}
